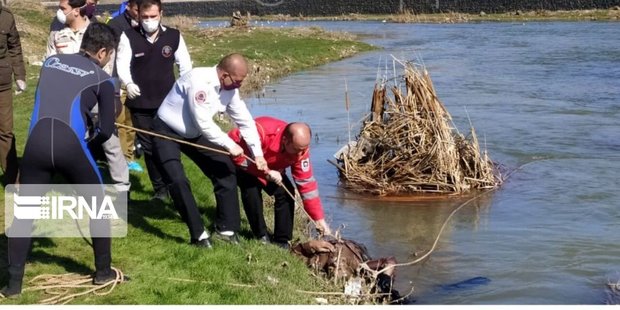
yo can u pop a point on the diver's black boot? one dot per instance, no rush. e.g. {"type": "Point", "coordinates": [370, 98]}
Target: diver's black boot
{"type": "Point", "coordinates": [104, 276]}
{"type": "Point", "coordinates": [14, 287]}
{"type": "Point", "coordinates": [104, 272]}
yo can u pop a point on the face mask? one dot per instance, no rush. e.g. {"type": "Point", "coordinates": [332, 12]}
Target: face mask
{"type": "Point", "coordinates": [134, 23]}
{"type": "Point", "coordinates": [61, 16]}
{"type": "Point", "coordinates": [89, 10]}
{"type": "Point", "coordinates": [231, 86]}
{"type": "Point", "coordinates": [150, 25]}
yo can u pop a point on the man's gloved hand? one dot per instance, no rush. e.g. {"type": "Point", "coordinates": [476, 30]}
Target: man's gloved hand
{"type": "Point", "coordinates": [235, 150]}
{"type": "Point", "coordinates": [133, 91]}
{"type": "Point", "coordinates": [261, 163]}
{"type": "Point", "coordinates": [323, 228]}
{"type": "Point", "coordinates": [21, 85]}
{"type": "Point", "coordinates": [274, 176]}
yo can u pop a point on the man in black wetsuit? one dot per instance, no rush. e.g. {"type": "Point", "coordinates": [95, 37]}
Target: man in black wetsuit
{"type": "Point", "coordinates": [69, 86]}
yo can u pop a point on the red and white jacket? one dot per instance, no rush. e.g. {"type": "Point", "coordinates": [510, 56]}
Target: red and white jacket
{"type": "Point", "coordinates": [270, 131]}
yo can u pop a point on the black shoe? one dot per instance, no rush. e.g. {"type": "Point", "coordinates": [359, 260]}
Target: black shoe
{"type": "Point", "coordinates": [138, 151]}
{"type": "Point", "coordinates": [14, 285]}
{"type": "Point", "coordinates": [204, 243]}
{"type": "Point", "coordinates": [161, 195]}
{"type": "Point", "coordinates": [282, 245]}
{"type": "Point", "coordinates": [229, 239]}
{"type": "Point", "coordinates": [10, 291]}
{"type": "Point", "coordinates": [264, 239]}
{"type": "Point", "coordinates": [103, 277]}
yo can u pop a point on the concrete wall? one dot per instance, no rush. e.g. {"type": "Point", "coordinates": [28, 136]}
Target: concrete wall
{"type": "Point", "coordinates": [338, 7]}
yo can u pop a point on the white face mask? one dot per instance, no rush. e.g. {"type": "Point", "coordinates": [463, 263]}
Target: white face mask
{"type": "Point", "coordinates": [61, 16]}
{"type": "Point", "coordinates": [150, 25]}
{"type": "Point", "coordinates": [134, 23]}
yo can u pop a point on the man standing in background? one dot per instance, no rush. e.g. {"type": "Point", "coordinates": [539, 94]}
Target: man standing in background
{"type": "Point", "coordinates": [145, 65]}
{"type": "Point", "coordinates": [67, 28]}
{"type": "Point", "coordinates": [88, 10]}
{"type": "Point", "coordinates": [126, 20]}
{"type": "Point", "coordinates": [11, 66]}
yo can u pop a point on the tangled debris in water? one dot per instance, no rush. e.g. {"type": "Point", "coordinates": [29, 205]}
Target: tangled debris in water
{"type": "Point", "coordinates": [344, 261]}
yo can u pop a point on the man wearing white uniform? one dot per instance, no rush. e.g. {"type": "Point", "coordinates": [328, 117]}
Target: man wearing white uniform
{"type": "Point", "coordinates": [67, 41]}
{"type": "Point", "coordinates": [187, 114]}
{"type": "Point", "coordinates": [145, 64]}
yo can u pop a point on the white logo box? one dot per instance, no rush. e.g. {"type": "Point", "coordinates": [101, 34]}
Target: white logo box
{"type": "Point", "coordinates": [65, 211]}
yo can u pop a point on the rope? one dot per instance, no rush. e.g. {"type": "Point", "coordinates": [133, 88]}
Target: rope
{"type": "Point", "coordinates": [299, 206]}
{"type": "Point", "coordinates": [200, 146]}
{"type": "Point", "coordinates": [443, 226]}
{"type": "Point", "coordinates": [62, 287]}
{"type": "Point", "coordinates": [178, 140]}
{"type": "Point", "coordinates": [213, 283]}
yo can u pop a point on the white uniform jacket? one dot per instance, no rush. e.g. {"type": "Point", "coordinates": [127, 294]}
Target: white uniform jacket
{"type": "Point", "coordinates": [195, 98]}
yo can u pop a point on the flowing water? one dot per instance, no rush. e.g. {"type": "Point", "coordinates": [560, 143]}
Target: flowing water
{"type": "Point", "coordinates": [544, 98]}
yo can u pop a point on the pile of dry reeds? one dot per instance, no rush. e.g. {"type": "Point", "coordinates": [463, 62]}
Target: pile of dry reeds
{"type": "Point", "coordinates": [407, 145]}
{"type": "Point", "coordinates": [239, 21]}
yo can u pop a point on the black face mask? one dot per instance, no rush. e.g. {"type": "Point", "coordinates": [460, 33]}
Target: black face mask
{"type": "Point", "coordinates": [89, 10]}
{"type": "Point", "coordinates": [233, 85]}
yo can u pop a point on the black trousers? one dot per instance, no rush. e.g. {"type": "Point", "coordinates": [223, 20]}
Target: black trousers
{"type": "Point", "coordinates": [51, 148]}
{"type": "Point", "coordinates": [143, 119]}
{"type": "Point", "coordinates": [284, 206]}
{"type": "Point", "coordinates": [218, 167]}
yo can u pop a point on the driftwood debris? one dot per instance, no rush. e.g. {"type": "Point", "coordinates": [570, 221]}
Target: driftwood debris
{"type": "Point", "coordinates": [407, 145]}
{"type": "Point", "coordinates": [239, 21]}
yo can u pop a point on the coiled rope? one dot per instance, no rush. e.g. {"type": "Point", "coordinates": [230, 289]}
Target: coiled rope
{"type": "Point", "coordinates": [66, 287]}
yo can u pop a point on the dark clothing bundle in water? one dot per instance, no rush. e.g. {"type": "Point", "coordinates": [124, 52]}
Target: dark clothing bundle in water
{"type": "Point", "coordinates": [343, 259]}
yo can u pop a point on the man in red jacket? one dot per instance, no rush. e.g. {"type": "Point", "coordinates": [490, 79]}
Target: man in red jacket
{"type": "Point", "coordinates": [284, 145]}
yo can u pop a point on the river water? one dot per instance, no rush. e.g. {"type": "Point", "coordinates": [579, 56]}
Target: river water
{"type": "Point", "coordinates": [544, 98]}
